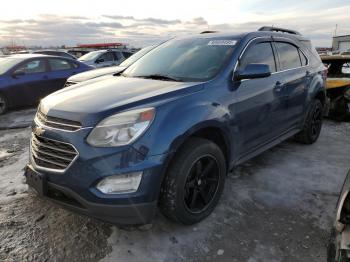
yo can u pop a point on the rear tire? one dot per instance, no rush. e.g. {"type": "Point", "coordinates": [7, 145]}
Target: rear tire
{"type": "Point", "coordinates": [3, 104]}
{"type": "Point", "coordinates": [194, 182]}
{"type": "Point", "coordinates": [312, 125]}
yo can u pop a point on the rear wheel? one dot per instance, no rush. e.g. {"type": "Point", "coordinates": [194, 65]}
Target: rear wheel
{"type": "Point", "coordinates": [313, 124]}
{"type": "Point", "coordinates": [194, 182]}
{"type": "Point", "coordinates": [3, 104]}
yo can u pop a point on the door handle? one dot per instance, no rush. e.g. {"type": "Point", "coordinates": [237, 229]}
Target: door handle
{"type": "Point", "coordinates": [278, 86]}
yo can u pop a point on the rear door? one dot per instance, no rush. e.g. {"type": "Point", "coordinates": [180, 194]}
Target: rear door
{"type": "Point", "coordinates": [29, 87]}
{"type": "Point", "coordinates": [259, 107]}
{"type": "Point", "coordinates": [292, 68]}
{"type": "Point", "coordinates": [60, 70]}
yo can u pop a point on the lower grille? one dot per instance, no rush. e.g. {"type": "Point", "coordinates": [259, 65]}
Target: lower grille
{"type": "Point", "coordinates": [52, 154]}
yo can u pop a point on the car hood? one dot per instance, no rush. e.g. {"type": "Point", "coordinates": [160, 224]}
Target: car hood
{"type": "Point", "coordinates": [95, 73]}
{"type": "Point", "coordinates": [89, 101]}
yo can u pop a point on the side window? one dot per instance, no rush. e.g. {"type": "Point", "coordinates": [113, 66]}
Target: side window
{"type": "Point", "coordinates": [118, 56]}
{"type": "Point", "coordinates": [107, 57]}
{"type": "Point", "coordinates": [289, 55]}
{"type": "Point", "coordinates": [126, 54]}
{"type": "Point", "coordinates": [59, 64]}
{"type": "Point", "coordinates": [34, 66]}
{"type": "Point", "coordinates": [260, 53]}
{"type": "Point", "coordinates": [302, 58]}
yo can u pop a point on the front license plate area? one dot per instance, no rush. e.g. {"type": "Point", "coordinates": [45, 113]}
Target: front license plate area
{"type": "Point", "coordinates": [36, 181]}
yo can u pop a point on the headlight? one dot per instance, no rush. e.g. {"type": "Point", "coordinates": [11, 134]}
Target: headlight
{"type": "Point", "coordinates": [347, 94]}
{"type": "Point", "coordinates": [119, 184]}
{"type": "Point", "coordinates": [121, 129]}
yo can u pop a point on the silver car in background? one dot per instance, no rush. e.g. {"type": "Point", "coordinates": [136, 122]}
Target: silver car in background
{"type": "Point", "coordinates": [108, 70]}
{"type": "Point", "coordinates": [104, 58]}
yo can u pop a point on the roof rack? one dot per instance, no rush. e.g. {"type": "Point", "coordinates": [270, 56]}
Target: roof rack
{"type": "Point", "coordinates": [278, 29]}
{"type": "Point", "coordinates": [208, 32]}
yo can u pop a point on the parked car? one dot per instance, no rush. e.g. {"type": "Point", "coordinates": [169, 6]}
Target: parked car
{"type": "Point", "coordinates": [108, 70]}
{"type": "Point", "coordinates": [55, 53]}
{"type": "Point", "coordinates": [104, 58]}
{"type": "Point", "coordinates": [339, 245]}
{"type": "Point", "coordinates": [166, 132]}
{"type": "Point", "coordinates": [338, 85]}
{"type": "Point", "coordinates": [25, 79]}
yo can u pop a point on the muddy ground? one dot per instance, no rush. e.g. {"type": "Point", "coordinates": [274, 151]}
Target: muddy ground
{"type": "Point", "coordinates": [276, 207]}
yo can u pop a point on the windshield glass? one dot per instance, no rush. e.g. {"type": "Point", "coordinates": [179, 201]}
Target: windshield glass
{"type": "Point", "coordinates": [7, 63]}
{"type": "Point", "coordinates": [136, 56]}
{"type": "Point", "coordinates": [90, 56]}
{"type": "Point", "coordinates": [185, 59]}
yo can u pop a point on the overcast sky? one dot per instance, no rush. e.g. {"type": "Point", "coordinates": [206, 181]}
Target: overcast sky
{"type": "Point", "coordinates": [140, 23]}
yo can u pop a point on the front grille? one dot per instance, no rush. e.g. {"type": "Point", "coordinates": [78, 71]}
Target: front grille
{"type": "Point", "coordinates": [52, 154]}
{"type": "Point", "coordinates": [58, 123]}
{"type": "Point", "coordinates": [68, 83]}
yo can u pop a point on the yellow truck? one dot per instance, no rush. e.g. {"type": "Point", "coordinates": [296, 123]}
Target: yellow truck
{"type": "Point", "coordinates": [338, 85]}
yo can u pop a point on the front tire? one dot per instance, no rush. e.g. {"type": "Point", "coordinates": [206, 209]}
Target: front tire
{"type": "Point", "coordinates": [194, 182]}
{"type": "Point", "coordinates": [312, 125]}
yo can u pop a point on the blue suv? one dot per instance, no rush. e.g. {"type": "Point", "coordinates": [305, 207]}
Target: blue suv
{"type": "Point", "coordinates": [166, 131]}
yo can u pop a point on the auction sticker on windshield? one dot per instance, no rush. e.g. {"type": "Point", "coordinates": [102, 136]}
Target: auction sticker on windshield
{"type": "Point", "coordinates": [222, 42]}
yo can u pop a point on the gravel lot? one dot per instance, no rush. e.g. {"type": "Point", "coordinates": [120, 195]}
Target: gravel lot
{"type": "Point", "coordinates": [276, 207]}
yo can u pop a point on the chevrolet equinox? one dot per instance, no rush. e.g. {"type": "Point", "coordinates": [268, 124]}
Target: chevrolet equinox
{"type": "Point", "coordinates": [166, 131]}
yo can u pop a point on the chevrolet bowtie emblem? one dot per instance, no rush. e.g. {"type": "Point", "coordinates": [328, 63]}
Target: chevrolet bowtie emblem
{"type": "Point", "coordinates": [37, 130]}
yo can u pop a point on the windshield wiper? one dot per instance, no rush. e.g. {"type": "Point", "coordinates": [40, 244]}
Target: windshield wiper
{"type": "Point", "coordinates": [161, 77]}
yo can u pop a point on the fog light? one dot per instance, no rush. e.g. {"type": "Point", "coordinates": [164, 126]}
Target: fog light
{"type": "Point", "coordinates": [119, 184]}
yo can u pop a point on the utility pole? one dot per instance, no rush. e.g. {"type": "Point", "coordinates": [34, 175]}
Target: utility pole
{"type": "Point", "coordinates": [336, 29]}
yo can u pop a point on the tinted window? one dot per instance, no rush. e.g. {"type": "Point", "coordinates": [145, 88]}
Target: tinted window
{"type": "Point", "coordinates": [190, 59]}
{"type": "Point", "coordinates": [303, 58]}
{"type": "Point", "coordinates": [126, 54]}
{"type": "Point", "coordinates": [289, 56]}
{"type": "Point", "coordinates": [59, 64]}
{"type": "Point", "coordinates": [259, 54]}
{"type": "Point", "coordinates": [34, 66]}
{"type": "Point", "coordinates": [107, 57]}
{"type": "Point", "coordinates": [118, 56]}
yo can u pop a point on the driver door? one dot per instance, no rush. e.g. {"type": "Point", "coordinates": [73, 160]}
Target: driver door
{"type": "Point", "coordinates": [259, 103]}
{"type": "Point", "coordinates": [30, 83]}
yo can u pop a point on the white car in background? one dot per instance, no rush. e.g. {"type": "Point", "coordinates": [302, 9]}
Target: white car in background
{"type": "Point", "coordinates": [104, 58]}
{"type": "Point", "coordinates": [75, 79]}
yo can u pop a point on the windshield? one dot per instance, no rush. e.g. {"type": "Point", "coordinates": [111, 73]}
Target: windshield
{"type": "Point", "coordinates": [7, 63]}
{"type": "Point", "coordinates": [184, 59]}
{"type": "Point", "coordinates": [136, 56]}
{"type": "Point", "coordinates": [90, 56]}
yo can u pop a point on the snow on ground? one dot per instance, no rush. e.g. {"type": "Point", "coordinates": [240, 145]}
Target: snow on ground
{"type": "Point", "coordinates": [277, 207]}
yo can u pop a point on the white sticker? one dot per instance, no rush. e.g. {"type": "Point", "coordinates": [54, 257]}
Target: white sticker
{"type": "Point", "coordinates": [222, 42]}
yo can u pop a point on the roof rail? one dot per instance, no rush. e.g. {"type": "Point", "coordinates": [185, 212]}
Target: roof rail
{"type": "Point", "coordinates": [208, 32]}
{"type": "Point", "coordinates": [278, 29]}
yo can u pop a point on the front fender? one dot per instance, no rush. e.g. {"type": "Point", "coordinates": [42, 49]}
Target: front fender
{"type": "Point", "coordinates": [177, 120]}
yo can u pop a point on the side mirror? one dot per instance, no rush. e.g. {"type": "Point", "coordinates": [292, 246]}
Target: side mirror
{"type": "Point", "coordinates": [18, 73]}
{"type": "Point", "coordinates": [100, 60]}
{"type": "Point", "coordinates": [252, 71]}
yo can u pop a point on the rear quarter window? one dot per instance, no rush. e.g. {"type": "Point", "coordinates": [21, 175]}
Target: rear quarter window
{"type": "Point", "coordinates": [288, 56]}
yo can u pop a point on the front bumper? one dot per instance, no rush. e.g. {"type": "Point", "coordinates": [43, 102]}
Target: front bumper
{"type": "Point", "coordinates": [128, 214]}
{"type": "Point", "coordinates": [75, 188]}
